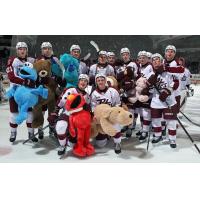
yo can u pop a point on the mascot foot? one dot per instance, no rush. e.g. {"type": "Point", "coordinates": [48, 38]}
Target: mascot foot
{"type": "Point", "coordinates": [79, 151]}
{"type": "Point", "coordinates": [90, 150]}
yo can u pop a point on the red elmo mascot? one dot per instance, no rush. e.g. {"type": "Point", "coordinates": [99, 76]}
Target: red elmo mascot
{"type": "Point", "coordinates": [79, 124]}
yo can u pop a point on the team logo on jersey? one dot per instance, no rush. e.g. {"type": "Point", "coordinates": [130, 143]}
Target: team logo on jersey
{"type": "Point", "coordinates": [104, 101]}
{"type": "Point", "coordinates": [183, 78]}
{"type": "Point", "coordinates": [160, 84]}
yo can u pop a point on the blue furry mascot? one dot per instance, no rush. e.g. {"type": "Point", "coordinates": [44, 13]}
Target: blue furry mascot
{"type": "Point", "coordinates": [26, 97]}
{"type": "Point", "coordinates": [71, 66]}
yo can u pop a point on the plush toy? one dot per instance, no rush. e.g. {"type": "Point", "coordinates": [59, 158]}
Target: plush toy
{"type": "Point", "coordinates": [26, 97]}
{"type": "Point", "coordinates": [56, 67]}
{"type": "Point", "coordinates": [141, 93]}
{"type": "Point", "coordinates": [107, 117]}
{"type": "Point", "coordinates": [43, 69]}
{"type": "Point", "coordinates": [71, 66]}
{"type": "Point", "coordinates": [112, 82]}
{"type": "Point", "coordinates": [79, 125]}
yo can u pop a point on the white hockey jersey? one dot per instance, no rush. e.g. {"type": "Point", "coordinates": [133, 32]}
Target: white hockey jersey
{"type": "Point", "coordinates": [107, 71]}
{"type": "Point", "coordinates": [13, 66]}
{"type": "Point", "coordinates": [83, 69]}
{"type": "Point", "coordinates": [134, 66]}
{"type": "Point", "coordinates": [178, 76]}
{"type": "Point", "coordinates": [146, 71]}
{"type": "Point", "coordinates": [185, 80]}
{"type": "Point", "coordinates": [164, 81]}
{"type": "Point", "coordinates": [110, 97]}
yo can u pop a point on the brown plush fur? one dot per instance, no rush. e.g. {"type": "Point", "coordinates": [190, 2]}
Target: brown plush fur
{"type": "Point", "coordinates": [106, 117]}
{"type": "Point", "coordinates": [112, 82]}
{"type": "Point", "coordinates": [50, 84]}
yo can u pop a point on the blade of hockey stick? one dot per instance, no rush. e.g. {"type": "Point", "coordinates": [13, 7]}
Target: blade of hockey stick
{"type": "Point", "coordinates": [95, 45]}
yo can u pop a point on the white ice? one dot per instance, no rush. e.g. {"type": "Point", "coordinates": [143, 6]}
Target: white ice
{"type": "Point", "coordinates": [132, 150]}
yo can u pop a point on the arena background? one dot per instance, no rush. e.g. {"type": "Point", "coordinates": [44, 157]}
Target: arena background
{"type": "Point", "coordinates": [188, 46]}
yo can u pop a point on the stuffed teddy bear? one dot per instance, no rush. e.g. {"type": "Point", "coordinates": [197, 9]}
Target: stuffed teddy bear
{"type": "Point", "coordinates": [43, 69]}
{"type": "Point", "coordinates": [141, 91]}
{"type": "Point", "coordinates": [79, 125]}
{"type": "Point", "coordinates": [112, 82]}
{"type": "Point", "coordinates": [26, 97]}
{"type": "Point", "coordinates": [71, 66]}
{"type": "Point", "coordinates": [107, 117]}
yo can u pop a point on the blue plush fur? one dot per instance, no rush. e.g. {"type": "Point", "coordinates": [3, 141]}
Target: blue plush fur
{"type": "Point", "coordinates": [26, 97]}
{"type": "Point", "coordinates": [55, 68]}
{"type": "Point", "coordinates": [71, 66]}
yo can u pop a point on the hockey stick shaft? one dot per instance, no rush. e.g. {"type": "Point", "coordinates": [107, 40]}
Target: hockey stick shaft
{"type": "Point", "coordinates": [189, 119]}
{"type": "Point", "coordinates": [148, 141]}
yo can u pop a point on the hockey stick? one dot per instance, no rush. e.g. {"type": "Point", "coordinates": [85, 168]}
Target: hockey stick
{"type": "Point", "coordinates": [189, 119]}
{"type": "Point", "coordinates": [148, 141]}
{"type": "Point", "coordinates": [95, 45]}
{"type": "Point", "coordinates": [189, 136]}
{"type": "Point", "coordinates": [36, 134]}
{"type": "Point", "coordinates": [86, 57]}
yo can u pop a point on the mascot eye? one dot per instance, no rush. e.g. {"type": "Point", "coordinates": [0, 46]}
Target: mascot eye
{"type": "Point", "coordinates": [68, 93]}
{"type": "Point", "coordinates": [118, 111]}
{"type": "Point", "coordinates": [65, 98]}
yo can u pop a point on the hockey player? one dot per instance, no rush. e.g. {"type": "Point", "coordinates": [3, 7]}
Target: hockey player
{"type": "Point", "coordinates": [57, 75]}
{"type": "Point", "coordinates": [102, 67]}
{"type": "Point", "coordinates": [75, 51]}
{"type": "Point", "coordinates": [163, 98]}
{"type": "Point", "coordinates": [185, 83]}
{"type": "Point", "coordinates": [126, 75]}
{"type": "Point", "coordinates": [110, 96]}
{"type": "Point", "coordinates": [127, 62]}
{"type": "Point", "coordinates": [174, 69]}
{"type": "Point", "coordinates": [149, 54]}
{"type": "Point", "coordinates": [145, 71]}
{"type": "Point", "coordinates": [13, 66]}
{"type": "Point", "coordinates": [111, 59]}
{"type": "Point", "coordinates": [56, 67]}
{"type": "Point", "coordinates": [61, 126]}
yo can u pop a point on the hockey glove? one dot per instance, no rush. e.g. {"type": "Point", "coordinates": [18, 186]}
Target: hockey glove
{"type": "Point", "coordinates": [164, 94]}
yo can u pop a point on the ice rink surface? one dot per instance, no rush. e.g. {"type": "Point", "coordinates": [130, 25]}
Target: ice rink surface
{"type": "Point", "coordinates": [132, 149]}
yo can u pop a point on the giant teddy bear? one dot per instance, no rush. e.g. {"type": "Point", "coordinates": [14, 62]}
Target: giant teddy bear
{"type": "Point", "coordinates": [26, 97]}
{"type": "Point", "coordinates": [71, 66]}
{"type": "Point", "coordinates": [106, 118]}
{"type": "Point", "coordinates": [43, 69]}
{"type": "Point", "coordinates": [79, 125]}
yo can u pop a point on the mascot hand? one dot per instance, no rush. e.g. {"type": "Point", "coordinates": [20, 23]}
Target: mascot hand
{"type": "Point", "coordinates": [72, 132]}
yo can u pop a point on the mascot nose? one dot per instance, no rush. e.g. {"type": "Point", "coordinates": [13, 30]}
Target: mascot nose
{"type": "Point", "coordinates": [130, 116]}
{"type": "Point", "coordinates": [71, 97]}
{"type": "Point", "coordinates": [43, 73]}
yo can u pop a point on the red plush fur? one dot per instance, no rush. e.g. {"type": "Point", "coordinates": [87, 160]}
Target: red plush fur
{"type": "Point", "coordinates": [80, 125]}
